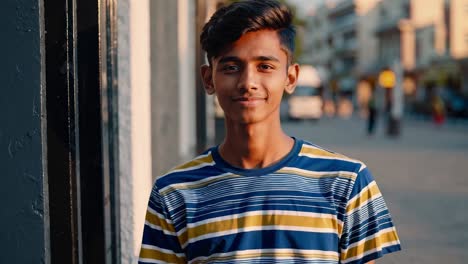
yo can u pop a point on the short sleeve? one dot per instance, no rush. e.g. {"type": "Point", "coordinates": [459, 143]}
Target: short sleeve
{"type": "Point", "coordinates": [160, 242]}
{"type": "Point", "coordinates": [368, 230]}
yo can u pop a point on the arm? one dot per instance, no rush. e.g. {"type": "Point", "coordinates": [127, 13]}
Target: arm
{"type": "Point", "coordinates": [368, 231]}
{"type": "Point", "coordinates": [160, 241]}
{"type": "Point", "coordinates": [371, 262]}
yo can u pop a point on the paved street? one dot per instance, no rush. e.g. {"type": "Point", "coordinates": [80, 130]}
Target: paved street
{"type": "Point", "coordinates": [423, 178]}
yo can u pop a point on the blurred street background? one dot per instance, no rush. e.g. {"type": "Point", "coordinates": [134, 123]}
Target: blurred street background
{"type": "Point", "coordinates": [422, 176]}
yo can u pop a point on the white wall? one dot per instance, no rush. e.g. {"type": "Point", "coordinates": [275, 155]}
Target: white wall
{"type": "Point", "coordinates": [187, 81]}
{"type": "Point", "coordinates": [140, 64]}
{"type": "Point", "coordinates": [134, 122]}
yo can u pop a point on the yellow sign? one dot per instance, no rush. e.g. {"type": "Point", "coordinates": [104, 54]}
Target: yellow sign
{"type": "Point", "coordinates": [387, 79]}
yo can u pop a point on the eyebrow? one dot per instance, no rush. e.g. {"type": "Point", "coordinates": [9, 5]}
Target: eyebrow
{"type": "Point", "coordinates": [237, 59]}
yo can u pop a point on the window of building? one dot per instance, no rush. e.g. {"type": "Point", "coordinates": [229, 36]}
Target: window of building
{"type": "Point", "coordinates": [383, 12]}
{"type": "Point", "coordinates": [349, 35]}
{"type": "Point", "coordinates": [406, 10]}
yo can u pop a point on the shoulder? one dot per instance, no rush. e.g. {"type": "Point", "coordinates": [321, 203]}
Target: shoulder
{"type": "Point", "coordinates": [192, 170]}
{"type": "Point", "coordinates": [328, 159]}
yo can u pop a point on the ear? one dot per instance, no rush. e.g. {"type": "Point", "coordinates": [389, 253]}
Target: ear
{"type": "Point", "coordinates": [207, 78]}
{"type": "Point", "coordinates": [291, 81]}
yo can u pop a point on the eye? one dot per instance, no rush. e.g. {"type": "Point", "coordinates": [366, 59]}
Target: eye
{"type": "Point", "coordinates": [265, 67]}
{"type": "Point", "coordinates": [230, 68]}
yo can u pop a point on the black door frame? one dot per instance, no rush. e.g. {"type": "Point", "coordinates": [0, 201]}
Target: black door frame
{"type": "Point", "coordinates": [82, 139]}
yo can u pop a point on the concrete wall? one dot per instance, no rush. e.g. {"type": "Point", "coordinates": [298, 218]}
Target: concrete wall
{"type": "Point", "coordinates": [134, 122]}
{"type": "Point", "coordinates": [156, 103]}
{"type": "Point", "coordinates": [23, 192]}
{"type": "Point", "coordinates": [187, 79]}
{"type": "Point", "coordinates": [165, 103]}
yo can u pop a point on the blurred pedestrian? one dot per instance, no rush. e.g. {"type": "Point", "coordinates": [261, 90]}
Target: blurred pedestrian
{"type": "Point", "coordinates": [262, 196]}
{"type": "Point", "coordinates": [371, 113]}
{"type": "Point", "coordinates": [438, 110]}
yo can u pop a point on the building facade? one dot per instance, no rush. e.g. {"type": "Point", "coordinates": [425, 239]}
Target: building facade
{"type": "Point", "coordinates": [428, 38]}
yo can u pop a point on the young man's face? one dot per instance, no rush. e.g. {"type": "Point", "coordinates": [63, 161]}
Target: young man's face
{"type": "Point", "coordinates": [249, 78]}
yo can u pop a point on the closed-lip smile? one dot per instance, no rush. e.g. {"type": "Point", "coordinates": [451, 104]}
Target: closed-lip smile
{"type": "Point", "coordinates": [249, 101]}
{"type": "Point", "coordinates": [247, 98]}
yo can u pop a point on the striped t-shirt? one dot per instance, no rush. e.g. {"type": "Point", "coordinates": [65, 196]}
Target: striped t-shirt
{"type": "Point", "coordinates": [313, 206]}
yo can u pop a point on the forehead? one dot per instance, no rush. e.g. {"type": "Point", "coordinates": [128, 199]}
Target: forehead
{"type": "Point", "coordinates": [256, 44]}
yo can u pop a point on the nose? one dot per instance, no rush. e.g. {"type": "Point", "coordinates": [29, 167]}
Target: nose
{"type": "Point", "coordinates": [248, 79]}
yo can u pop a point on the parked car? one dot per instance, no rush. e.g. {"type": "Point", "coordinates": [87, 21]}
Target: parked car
{"type": "Point", "coordinates": [306, 102]}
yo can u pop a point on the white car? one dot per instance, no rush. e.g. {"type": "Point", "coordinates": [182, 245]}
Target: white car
{"type": "Point", "coordinates": [305, 103]}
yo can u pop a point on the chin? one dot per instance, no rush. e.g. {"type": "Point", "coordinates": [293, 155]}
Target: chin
{"type": "Point", "coordinates": [248, 120]}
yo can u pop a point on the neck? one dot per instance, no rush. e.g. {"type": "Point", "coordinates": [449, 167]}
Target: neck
{"type": "Point", "coordinates": [254, 145]}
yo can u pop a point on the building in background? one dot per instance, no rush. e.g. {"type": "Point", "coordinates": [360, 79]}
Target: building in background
{"type": "Point", "coordinates": [341, 41]}
{"type": "Point", "coordinates": [428, 38]}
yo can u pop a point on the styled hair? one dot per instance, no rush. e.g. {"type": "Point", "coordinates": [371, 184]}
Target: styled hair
{"type": "Point", "coordinates": [230, 22]}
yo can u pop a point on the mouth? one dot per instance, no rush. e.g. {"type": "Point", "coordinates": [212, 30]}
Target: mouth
{"type": "Point", "coordinates": [249, 101]}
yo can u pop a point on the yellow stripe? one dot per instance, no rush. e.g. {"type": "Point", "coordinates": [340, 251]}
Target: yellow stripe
{"type": "Point", "coordinates": [307, 150]}
{"type": "Point", "coordinates": [161, 256]}
{"type": "Point", "coordinates": [320, 152]}
{"type": "Point", "coordinates": [263, 220]}
{"type": "Point", "coordinates": [195, 162]}
{"type": "Point", "coordinates": [318, 175]}
{"type": "Point", "coordinates": [157, 221]}
{"type": "Point", "coordinates": [270, 255]}
{"type": "Point", "coordinates": [364, 196]}
{"type": "Point", "coordinates": [374, 243]}
{"type": "Point", "coordinates": [185, 186]}
{"type": "Point", "coordinates": [183, 237]}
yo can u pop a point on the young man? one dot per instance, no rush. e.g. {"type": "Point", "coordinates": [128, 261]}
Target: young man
{"type": "Point", "coordinates": [262, 196]}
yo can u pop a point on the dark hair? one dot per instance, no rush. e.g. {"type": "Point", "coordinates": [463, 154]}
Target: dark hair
{"type": "Point", "coordinates": [230, 22]}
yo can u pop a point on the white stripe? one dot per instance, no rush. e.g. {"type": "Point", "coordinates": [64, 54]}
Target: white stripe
{"type": "Point", "coordinates": [167, 232]}
{"type": "Point", "coordinates": [152, 261]}
{"type": "Point", "coordinates": [195, 182]}
{"type": "Point", "coordinates": [260, 251]}
{"type": "Point", "coordinates": [160, 216]}
{"type": "Point", "coordinates": [322, 173]}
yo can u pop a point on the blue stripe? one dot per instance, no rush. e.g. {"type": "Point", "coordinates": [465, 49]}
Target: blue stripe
{"type": "Point", "coordinates": [157, 238]}
{"type": "Point", "coordinates": [326, 164]}
{"type": "Point", "coordinates": [267, 239]}
{"type": "Point", "coordinates": [188, 176]}
{"type": "Point", "coordinates": [377, 254]}
{"type": "Point", "coordinates": [363, 179]}
{"type": "Point", "coordinates": [316, 207]}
